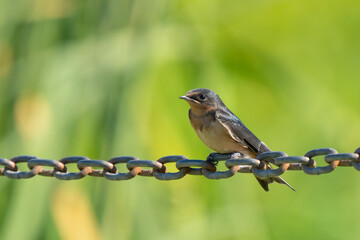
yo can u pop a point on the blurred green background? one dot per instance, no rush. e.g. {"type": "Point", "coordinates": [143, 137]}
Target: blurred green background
{"type": "Point", "coordinates": [102, 79]}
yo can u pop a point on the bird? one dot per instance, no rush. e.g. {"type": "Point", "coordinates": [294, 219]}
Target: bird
{"type": "Point", "coordinates": [222, 131]}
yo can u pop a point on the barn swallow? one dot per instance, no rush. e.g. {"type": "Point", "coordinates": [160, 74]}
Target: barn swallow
{"type": "Point", "coordinates": [222, 131]}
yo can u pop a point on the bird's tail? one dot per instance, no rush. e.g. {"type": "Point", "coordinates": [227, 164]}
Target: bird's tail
{"type": "Point", "coordinates": [266, 181]}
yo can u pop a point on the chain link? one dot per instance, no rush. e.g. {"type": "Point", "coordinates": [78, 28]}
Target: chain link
{"type": "Point", "coordinates": [236, 163]}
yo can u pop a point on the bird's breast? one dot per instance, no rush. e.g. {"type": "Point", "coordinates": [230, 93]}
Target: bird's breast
{"type": "Point", "coordinates": [215, 135]}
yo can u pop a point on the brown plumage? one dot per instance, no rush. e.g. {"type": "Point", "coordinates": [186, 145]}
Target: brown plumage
{"type": "Point", "coordinates": [222, 131]}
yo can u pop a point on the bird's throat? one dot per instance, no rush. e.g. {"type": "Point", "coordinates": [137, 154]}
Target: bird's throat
{"type": "Point", "coordinates": [200, 111]}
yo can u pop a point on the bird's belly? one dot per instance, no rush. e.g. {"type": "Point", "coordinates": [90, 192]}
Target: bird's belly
{"type": "Point", "coordinates": [216, 137]}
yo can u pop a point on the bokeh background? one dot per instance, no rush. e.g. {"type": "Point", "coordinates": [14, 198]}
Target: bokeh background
{"type": "Point", "coordinates": [102, 79]}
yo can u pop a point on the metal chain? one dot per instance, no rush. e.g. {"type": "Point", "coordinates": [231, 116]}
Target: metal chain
{"type": "Point", "coordinates": [236, 163]}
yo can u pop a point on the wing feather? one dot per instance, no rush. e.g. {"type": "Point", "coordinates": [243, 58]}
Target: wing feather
{"type": "Point", "coordinates": [239, 132]}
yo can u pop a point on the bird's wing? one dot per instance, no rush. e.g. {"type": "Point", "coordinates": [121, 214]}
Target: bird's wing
{"type": "Point", "coordinates": [239, 132]}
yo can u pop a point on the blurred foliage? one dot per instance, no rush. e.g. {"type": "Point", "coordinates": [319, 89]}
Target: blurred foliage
{"type": "Point", "coordinates": [102, 79]}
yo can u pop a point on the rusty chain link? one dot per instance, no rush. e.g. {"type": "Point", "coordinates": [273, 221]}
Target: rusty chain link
{"type": "Point", "coordinates": [234, 162]}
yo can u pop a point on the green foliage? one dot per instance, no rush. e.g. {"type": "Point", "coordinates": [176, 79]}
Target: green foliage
{"type": "Point", "coordinates": [102, 79]}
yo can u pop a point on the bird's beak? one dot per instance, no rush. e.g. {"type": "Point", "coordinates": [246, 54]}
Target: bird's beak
{"type": "Point", "coordinates": [188, 99]}
{"type": "Point", "coordinates": [184, 97]}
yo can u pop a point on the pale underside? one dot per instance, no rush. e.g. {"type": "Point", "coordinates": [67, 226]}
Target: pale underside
{"type": "Point", "coordinates": [218, 138]}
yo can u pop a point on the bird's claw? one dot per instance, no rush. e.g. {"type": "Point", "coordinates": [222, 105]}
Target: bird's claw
{"type": "Point", "coordinates": [237, 155]}
{"type": "Point", "coordinates": [211, 159]}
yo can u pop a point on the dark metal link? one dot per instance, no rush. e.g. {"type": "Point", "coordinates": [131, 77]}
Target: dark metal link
{"type": "Point", "coordinates": [224, 157]}
{"type": "Point", "coordinates": [171, 176]}
{"type": "Point", "coordinates": [146, 163]}
{"type": "Point", "coordinates": [199, 164]}
{"type": "Point", "coordinates": [270, 156]}
{"type": "Point", "coordinates": [291, 160]}
{"type": "Point", "coordinates": [242, 162]}
{"type": "Point", "coordinates": [356, 163]}
{"type": "Point", "coordinates": [342, 157]}
{"type": "Point", "coordinates": [311, 168]}
{"type": "Point", "coordinates": [220, 174]}
{"type": "Point", "coordinates": [270, 172]}
{"type": "Point", "coordinates": [19, 174]}
{"type": "Point", "coordinates": [96, 163]}
{"type": "Point", "coordinates": [234, 168]}
{"type": "Point", "coordinates": [357, 151]}
{"type": "Point", "coordinates": [235, 162]}
{"type": "Point", "coordinates": [296, 162]}
{"type": "Point", "coordinates": [32, 163]}
{"type": "Point", "coordinates": [116, 176]}
{"type": "Point", "coordinates": [346, 159]}
{"type": "Point", "coordinates": [263, 171]}
{"type": "Point", "coordinates": [65, 175]}
{"type": "Point", "coordinates": [245, 164]}
{"type": "Point", "coordinates": [8, 164]}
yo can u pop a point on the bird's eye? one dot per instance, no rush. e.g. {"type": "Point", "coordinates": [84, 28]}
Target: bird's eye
{"type": "Point", "coordinates": [202, 97]}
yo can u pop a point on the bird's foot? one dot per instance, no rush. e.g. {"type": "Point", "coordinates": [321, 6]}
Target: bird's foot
{"type": "Point", "coordinates": [237, 155]}
{"type": "Point", "coordinates": [223, 156]}
{"type": "Point", "coordinates": [211, 159]}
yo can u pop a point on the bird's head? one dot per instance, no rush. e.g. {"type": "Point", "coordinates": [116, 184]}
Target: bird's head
{"type": "Point", "coordinates": [202, 100]}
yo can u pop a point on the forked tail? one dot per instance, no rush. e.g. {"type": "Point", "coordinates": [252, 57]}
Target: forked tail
{"type": "Point", "coordinates": [266, 181]}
